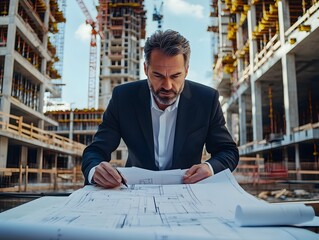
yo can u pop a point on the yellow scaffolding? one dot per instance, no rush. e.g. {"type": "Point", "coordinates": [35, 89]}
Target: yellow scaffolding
{"type": "Point", "coordinates": [115, 5]}
{"type": "Point", "coordinates": [40, 6]}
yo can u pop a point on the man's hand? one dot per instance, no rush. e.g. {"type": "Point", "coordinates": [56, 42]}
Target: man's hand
{"type": "Point", "coordinates": [196, 173]}
{"type": "Point", "coordinates": [106, 176]}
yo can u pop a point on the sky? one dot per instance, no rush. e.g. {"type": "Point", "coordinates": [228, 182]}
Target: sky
{"type": "Point", "coordinates": [189, 17]}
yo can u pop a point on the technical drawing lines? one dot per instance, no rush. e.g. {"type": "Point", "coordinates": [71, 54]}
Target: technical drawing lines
{"type": "Point", "coordinates": [146, 181]}
{"type": "Point", "coordinates": [83, 199]}
{"type": "Point", "coordinates": [59, 219]}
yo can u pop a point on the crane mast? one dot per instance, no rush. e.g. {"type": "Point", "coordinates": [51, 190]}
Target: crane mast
{"type": "Point", "coordinates": [93, 54]}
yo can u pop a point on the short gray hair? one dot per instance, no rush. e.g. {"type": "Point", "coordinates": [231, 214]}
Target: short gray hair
{"type": "Point", "coordinates": [170, 42]}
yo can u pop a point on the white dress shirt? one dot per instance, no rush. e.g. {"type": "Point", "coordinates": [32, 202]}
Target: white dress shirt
{"type": "Point", "coordinates": [164, 124]}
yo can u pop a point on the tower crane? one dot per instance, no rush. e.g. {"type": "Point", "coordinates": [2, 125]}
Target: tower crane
{"type": "Point", "coordinates": [158, 16]}
{"type": "Point", "coordinates": [93, 54]}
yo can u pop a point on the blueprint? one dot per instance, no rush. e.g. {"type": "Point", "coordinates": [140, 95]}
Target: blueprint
{"type": "Point", "coordinates": [135, 175]}
{"type": "Point", "coordinates": [181, 211]}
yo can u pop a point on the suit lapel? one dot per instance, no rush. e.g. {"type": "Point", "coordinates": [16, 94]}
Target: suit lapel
{"type": "Point", "coordinates": [143, 109]}
{"type": "Point", "coordinates": [185, 112]}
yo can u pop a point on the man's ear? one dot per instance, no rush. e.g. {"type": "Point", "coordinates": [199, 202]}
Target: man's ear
{"type": "Point", "coordinates": [145, 69]}
{"type": "Point", "coordinates": [186, 71]}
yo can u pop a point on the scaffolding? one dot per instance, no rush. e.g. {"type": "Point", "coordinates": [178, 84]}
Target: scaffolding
{"type": "Point", "coordinates": [58, 9]}
{"type": "Point", "coordinates": [123, 24]}
{"type": "Point", "coordinates": [31, 46]}
{"type": "Point", "coordinates": [78, 124]}
{"type": "Point", "coordinates": [267, 76]}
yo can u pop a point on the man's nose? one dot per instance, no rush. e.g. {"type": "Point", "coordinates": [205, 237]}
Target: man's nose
{"type": "Point", "coordinates": [167, 84]}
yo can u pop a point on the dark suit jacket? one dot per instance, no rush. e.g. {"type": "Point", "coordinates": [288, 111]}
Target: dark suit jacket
{"type": "Point", "coordinates": [199, 121]}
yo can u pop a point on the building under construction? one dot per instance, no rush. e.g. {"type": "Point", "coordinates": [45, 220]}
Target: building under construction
{"type": "Point", "coordinates": [267, 73]}
{"type": "Point", "coordinates": [123, 24]}
{"type": "Point", "coordinates": [28, 71]}
{"type": "Point", "coordinates": [79, 124]}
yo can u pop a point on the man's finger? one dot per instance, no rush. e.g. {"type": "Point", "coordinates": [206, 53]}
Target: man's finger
{"type": "Point", "coordinates": [102, 175]}
{"type": "Point", "coordinates": [196, 173]}
{"type": "Point", "coordinates": [106, 184]}
{"type": "Point", "coordinates": [193, 178]}
{"type": "Point", "coordinates": [106, 176]}
{"type": "Point", "coordinates": [111, 171]}
{"type": "Point", "coordinates": [191, 171]}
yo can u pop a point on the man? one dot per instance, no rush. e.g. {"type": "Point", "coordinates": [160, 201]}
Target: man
{"type": "Point", "coordinates": [165, 120]}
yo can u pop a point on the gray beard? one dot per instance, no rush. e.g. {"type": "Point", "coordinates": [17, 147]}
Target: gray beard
{"type": "Point", "coordinates": [164, 100]}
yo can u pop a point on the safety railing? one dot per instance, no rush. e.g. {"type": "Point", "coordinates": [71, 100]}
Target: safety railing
{"type": "Point", "coordinates": [25, 179]}
{"type": "Point", "coordinates": [15, 125]}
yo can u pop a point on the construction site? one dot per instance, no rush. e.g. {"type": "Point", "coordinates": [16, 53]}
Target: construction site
{"type": "Point", "coordinates": [41, 151]}
{"type": "Point", "coordinates": [30, 38]}
{"type": "Point", "coordinates": [266, 71]}
{"type": "Point", "coordinates": [265, 68]}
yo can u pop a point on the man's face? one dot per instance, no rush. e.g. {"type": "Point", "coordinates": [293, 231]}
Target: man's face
{"type": "Point", "coordinates": [166, 76]}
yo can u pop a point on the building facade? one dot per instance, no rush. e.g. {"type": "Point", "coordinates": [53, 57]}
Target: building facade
{"type": "Point", "coordinates": [267, 74]}
{"type": "Point", "coordinates": [27, 59]}
{"type": "Point", "coordinates": [123, 24]}
{"type": "Point", "coordinates": [80, 125]}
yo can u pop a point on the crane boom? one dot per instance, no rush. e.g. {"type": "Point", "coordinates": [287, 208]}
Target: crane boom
{"type": "Point", "coordinates": [89, 19]}
{"type": "Point", "coordinates": [158, 16]}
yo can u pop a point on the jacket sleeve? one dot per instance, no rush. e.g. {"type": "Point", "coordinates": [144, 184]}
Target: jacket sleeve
{"type": "Point", "coordinates": [105, 141]}
{"type": "Point", "coordinates": [219, 142]}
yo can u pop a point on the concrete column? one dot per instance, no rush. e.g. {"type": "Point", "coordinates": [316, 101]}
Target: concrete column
{"type": "Point", "coordinates": [41, 97]}
{"type": "Point", "coordinates": [297, 161]}
{"type": "Point", "coordinates": [286, 159]}
{"type": "Point", "coordinates": [290, 92]}
{"type": "Point", "coordinates": [284, 19]}
{"type": "Point", "coordinates": [242, 120]}
{"type": "Point", "coordinates": [255, 86]}
{"type": "Point", "coordinates": [46, 22]}
{"type": "Point", "coordinates": [39, 163]}
{"type": "Point", "coordinates": [55, 164]}
{"type": "Point", "coordinates": [229, 120]}
{"type": "Point", "coordinates": [23, 156]}
{"type": "Point", "coordinates": [240, 44]}
{"type": "Point", "coordinates": [7, 77]}
{"type": "Point", "coordinates": [7, 83]}
{"type": "Point", "coordinates": [251, 20]}
{"type": "Point", "coordinates": [257, 110]}
{"type": "Point", "coordinates": [70, 158]}
{"type": "Point", "coordinates": [3, 152]}
{"type": "Point", "coordinates": [45, 36]}
{"type": "Point", "coordinates": [71, 130]}
{"type": "Point", "coordinates": [40, 153]}
{"type": "Point", "coordinates": [40, 124]}
{"type": "Point", "coordinates": [9, 58]}
{"type": "Point", "coordinates": [220, 22]}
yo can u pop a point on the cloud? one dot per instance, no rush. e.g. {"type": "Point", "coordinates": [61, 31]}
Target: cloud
{"type": "Point", "coordinates": [83, 32]}
{"type": "Point", "coordinates": [181, 7]}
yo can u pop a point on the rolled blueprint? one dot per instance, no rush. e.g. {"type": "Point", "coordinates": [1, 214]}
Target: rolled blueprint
{"type": "Point", "coordinates": [273, 214]}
